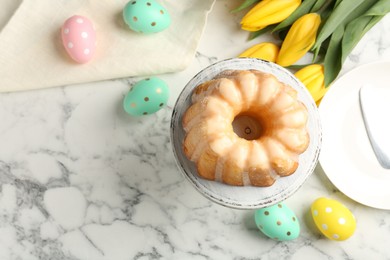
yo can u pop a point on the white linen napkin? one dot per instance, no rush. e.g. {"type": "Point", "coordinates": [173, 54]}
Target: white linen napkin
{"type": "Point", "coordinates": [32, 55]}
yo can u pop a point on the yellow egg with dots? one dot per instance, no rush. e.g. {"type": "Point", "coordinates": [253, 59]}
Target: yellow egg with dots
{"type": "Point", "coordinates": [333, 219]}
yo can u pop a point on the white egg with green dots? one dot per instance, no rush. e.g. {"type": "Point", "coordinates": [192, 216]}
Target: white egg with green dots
{"type": "Point", "coordinates": [278, 222]}
{"type": "Point", "coordinates": [146, 97]}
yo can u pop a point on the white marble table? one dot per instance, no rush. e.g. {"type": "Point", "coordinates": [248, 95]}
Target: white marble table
{"type": "Point", "coordinates": [80, 179]}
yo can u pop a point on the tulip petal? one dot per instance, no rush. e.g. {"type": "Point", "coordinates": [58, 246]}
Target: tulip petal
{"type": "Point", "coordinates": [300, 38]}
{"type": "Point", "coordinates": [312, 76]}
{"type": "Point", "coordinates": [269, 12]}
{"type": "Point", "coordinates": [303, 9]}
{"type": "Point", "coordinates": [265, 51]}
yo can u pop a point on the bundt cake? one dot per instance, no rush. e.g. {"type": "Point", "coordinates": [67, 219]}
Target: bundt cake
{"type": "Point", "coordinates": [245, 127]}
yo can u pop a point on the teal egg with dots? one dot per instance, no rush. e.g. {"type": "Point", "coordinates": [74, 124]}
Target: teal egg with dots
{"type": "Point", "coordinates": [146, 16]}
{"type": "Point", "coordinates": [278, 222]}
{"type": "Point", "coordinates": [146, 97]}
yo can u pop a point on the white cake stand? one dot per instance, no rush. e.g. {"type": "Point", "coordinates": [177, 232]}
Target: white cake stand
{"type": "Point", "coordinates": [247, 197]}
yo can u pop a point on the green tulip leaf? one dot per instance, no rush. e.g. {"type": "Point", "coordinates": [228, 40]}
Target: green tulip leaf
{"type": "Point", "coordinates": [336, 52]}
{"type": "Point", "coordinates": [244, 5]}
{"type": "Point", "coordinates": [339, 14]}
{"type": "Point", "coordinates": [319, 5]}
{"type": "Point", "coordinates": [354, 31]}
{"type": "Point", "coordinates": [332, 62]}
{"type": "Point", "coordinates": [303, 9]}
{"type": "Point", "coordinates": [380, 8]}
{"type": "Point", "coordinates": [256, 34]}
{"type": "Point", "coordinates": [337, 3]}
{"type": "Point", "coordinates": [358, 27]}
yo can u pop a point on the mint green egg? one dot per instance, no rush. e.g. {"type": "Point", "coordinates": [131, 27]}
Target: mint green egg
{"type": "Point", "coordinates": [146, 97]}
{"type": "Point", "coordinates": [146, 16]}
{"type": "Point", "coordinates": [278, 222]}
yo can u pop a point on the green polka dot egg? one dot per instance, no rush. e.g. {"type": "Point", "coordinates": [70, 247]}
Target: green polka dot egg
{"type": "Point", "coordinates": [333, 219]}
{"type": "Point", "coordinates": [278, 222]}
{"type": "Point", "coordinates": [146, 16]}
{"type": "Point", "coordinates": [146, 97]}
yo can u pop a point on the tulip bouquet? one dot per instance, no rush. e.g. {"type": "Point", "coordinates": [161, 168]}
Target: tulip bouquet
{"type": "Point", "coordinates": [329, 29]}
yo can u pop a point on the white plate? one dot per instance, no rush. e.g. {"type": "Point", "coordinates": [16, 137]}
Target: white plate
{"type": "Point", "coordinates": [247, 197]}
{"type": "Point", "coordinates": [346, 155]}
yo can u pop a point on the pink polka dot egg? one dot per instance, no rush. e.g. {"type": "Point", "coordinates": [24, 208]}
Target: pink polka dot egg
{"type": "Point", "coordinates": [79, 38]}
{"type": "Point", "coordinates": [334, 220]}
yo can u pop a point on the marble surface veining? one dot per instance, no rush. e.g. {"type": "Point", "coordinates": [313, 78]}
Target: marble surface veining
{"type": "Point", "coordinates": [80, 179]}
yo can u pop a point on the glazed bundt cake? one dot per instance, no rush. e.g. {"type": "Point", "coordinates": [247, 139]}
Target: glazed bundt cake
{"type": "Point", "coordinates": [245, 127]}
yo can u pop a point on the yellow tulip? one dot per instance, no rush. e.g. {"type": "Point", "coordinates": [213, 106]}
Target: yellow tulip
{"type": "Point", "coordinates": [265, 51]}
{"type": "Point", "coordinates": [312, 77]}
{"type": "Point", "coordinates": [268, 12]}
{"type": "Point", "coordinates": [299, 39]}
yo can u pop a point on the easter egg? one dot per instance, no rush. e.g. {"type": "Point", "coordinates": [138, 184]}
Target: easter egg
{"type": "Point", "coordinates": [146, 16]}
{"type": "Point", "coordinates": [147, 96]}
{"type": "Point", "coordinates": [79, 38]}
{"type": "Point", "coordinates": [333, 219]}
{"type": "Point", "coordinates": [278, 222]}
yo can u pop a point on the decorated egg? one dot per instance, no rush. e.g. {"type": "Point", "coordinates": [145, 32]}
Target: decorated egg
{"type": "Point", "coordinates": [278, 222]}
{"type": "Point", "coordinates": [79, 38]}
{"type": "Point", "coordinates": [146, 16]}
{"type": "Point", "coordinates": [146, 97]}
{"type": "Point", "coordinates": [333, 219]}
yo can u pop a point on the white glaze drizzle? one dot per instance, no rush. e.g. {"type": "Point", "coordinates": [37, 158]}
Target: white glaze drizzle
{"type": "Point", "coordinates": [246, 181]}
{"type": "Point", "coordinates": [198, 150]}
{"type": "Point", "coordinates": [273, 174]}
{"type": "Point", "coordinates": [219, 169]}
{"type": "Point", "coordinates": [194, 121]}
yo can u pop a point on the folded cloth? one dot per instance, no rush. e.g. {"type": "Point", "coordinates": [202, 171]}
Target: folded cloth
{"type": "Point", "coordinates": [32, 55]}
